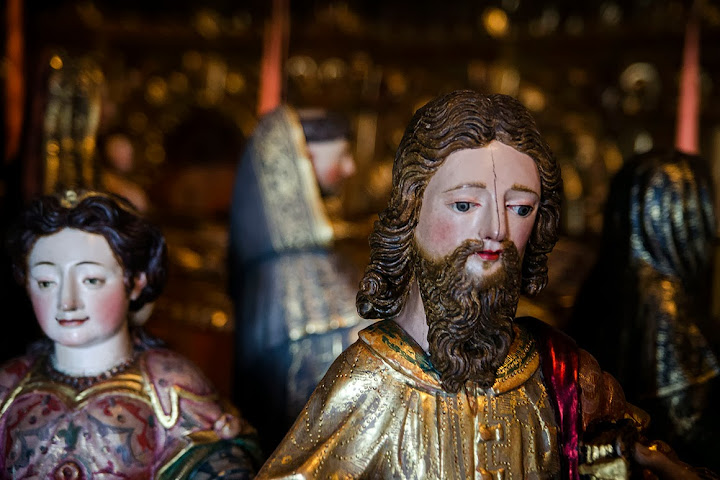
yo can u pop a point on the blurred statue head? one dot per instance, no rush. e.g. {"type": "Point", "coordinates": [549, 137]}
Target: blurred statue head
{"type": "Point", "coordinates": [328, 140]}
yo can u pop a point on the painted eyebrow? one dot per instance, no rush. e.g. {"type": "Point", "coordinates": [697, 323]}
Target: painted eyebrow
{"type": "Point", "coordinates": [516, 186]}
{"type": "Point", "coordinates": [523, 188]}
{"type": "Point", "coordinates": [87, 262]}
{"type": "Point", "coordinates": [466, 185]}
{"type": "Point", "coordinates": [42, 263]}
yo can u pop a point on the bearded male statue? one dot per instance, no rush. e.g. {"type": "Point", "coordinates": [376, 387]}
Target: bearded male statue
{"type": "Point", "coordinates": [448, 384]}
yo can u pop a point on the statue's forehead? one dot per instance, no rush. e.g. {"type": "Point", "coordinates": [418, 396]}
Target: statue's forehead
{"type": "Point", "coordinates": [71, 245]}
{"type": "Point", "coordinates": [495, 161]}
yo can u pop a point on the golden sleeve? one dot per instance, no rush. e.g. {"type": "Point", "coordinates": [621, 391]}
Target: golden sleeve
{"type": "Point", "coordinates": [341, 431]}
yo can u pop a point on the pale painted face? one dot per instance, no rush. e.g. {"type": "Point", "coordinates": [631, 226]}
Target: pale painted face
{"type": "Point", "coordinates": [489, 194]}
{"type": "Point", "coordinates": [333, 163]}
{"type": "Point", "coordinates": [77, 290]}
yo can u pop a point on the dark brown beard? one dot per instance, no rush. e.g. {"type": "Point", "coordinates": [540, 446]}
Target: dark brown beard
{"type": "Point", "coordinates": [469, 317]}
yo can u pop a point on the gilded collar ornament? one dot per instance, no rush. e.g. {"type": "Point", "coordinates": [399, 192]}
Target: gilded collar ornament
{"type": "Point", "coordinates": [403, 353]}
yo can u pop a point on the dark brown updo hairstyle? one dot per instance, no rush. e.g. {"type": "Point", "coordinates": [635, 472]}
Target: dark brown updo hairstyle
{"type": "Point", "coordinates": [137, 245]}
{"type": "Point", "coordinates": [456, 121]}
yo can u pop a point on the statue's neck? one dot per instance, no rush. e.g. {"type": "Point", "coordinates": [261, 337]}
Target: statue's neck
{"type": "Point", "coordinates": [412, 317]}
{"type": "Point", "coordinates": [89, 360]}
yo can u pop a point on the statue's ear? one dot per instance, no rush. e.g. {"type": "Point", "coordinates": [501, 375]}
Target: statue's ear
{"type": "Point", "coordinates": [140, 283]}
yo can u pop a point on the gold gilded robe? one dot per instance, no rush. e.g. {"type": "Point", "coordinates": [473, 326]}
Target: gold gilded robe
{"type": "Point", "coordinates": [381, 412]}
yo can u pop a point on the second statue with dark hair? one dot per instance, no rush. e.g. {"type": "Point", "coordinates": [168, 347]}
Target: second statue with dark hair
{"type": "Point", "coordinates": [97, 399]}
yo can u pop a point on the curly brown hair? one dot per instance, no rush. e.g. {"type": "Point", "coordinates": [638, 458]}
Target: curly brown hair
{"type": "Point", "coordinates": [456, 121]}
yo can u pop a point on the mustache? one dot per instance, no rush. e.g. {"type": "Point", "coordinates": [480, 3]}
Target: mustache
{"type": "Point", "coordinates": [455, 262]}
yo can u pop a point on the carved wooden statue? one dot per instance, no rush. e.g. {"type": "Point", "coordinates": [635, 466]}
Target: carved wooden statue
{"type": "Point", "coordinates": [95, 399]}
{"type": "Point", "coordinates": [449, 384]}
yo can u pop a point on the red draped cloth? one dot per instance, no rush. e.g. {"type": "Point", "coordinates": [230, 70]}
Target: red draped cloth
{"type": "Point", "coordinates": [559, 362]}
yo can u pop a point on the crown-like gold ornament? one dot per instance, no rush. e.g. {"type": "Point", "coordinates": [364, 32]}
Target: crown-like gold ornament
{"type": "Point", "coordinates": [69, 199]}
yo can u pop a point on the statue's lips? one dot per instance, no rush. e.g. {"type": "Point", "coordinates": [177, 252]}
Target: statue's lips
{"type": "Point", "coordinates": [71, 322]}
{"type": "Point", "coordinates": [489, 255]}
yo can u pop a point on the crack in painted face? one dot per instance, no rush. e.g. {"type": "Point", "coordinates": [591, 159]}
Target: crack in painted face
{"type": "Point", "coordinates": [490, 194]}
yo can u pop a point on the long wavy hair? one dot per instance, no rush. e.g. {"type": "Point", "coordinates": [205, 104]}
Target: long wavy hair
{"type": "Point", "coordinates": [138, 246]}
{"type": "Point", "coordinates": [659, 215]}
{"type": "Point", "coordinates": [456, 121]}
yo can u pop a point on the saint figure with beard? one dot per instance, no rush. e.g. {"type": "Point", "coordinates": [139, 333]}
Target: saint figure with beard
{"type": "Point", "coordinates": [448, 384]}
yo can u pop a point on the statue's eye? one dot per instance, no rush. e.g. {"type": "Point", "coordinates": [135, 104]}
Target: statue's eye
{"type": "Point", "coordinates": [43, 284]}
{"type": "Point", "coordinates": [461, 207]}
{"type": "Point", "coordinates": [94, 281]}
{"type": "Point", "coordinates": [522, 210]}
